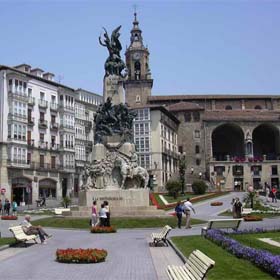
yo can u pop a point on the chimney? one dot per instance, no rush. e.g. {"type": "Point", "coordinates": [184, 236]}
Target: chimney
{"type": "Point", "coordinates": [37, 72]}
{"type": "Point", "coordinates": [48, 76]}
{"type": "Point", "coordinates": [23, 67]}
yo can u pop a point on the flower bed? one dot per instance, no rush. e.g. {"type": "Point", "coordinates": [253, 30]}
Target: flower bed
{"type": "Point", "coordinates": [98, 229]}
{"type": "Point", "coordinates": [252, 218]}
{"type": "Point", "coordinates": [260, 258]}
{"type": "Point", "coordinates": [216, 203]}
{"type": "Point", "coordinates": [81, 255]}
{"type": "Point", "coordinates": [9, 217]}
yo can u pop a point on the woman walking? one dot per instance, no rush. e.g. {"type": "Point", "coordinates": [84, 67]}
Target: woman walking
{"type": "Point", "coordinates": [94, 220]}
{"type": "Point", "coordinates": [179, 212]}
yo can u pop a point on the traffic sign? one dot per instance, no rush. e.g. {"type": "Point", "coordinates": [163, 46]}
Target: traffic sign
{"type": "Point", "coordinates": [3, 190]}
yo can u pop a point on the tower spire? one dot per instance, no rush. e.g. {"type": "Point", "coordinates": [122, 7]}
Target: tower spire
{"type": "Point", "coordinates": [136, 32]}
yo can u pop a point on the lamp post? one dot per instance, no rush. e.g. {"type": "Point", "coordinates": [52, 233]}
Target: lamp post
{"type": "Point", "coordinates": [182, 170]}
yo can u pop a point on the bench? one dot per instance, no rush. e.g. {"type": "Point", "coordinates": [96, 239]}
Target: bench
{"type": "Point", "coordinates": [161, 236]}
{"type": "Point", "coordinates": [195, 268]}
{"type": "Point", "coordinates": [221, 224]}
{"type": "Point", "coordinates": [59, 211]}
{"type": "Point", "coordinates": [20, 235]}
{"type": "Point", "coordinates": [246, 211]}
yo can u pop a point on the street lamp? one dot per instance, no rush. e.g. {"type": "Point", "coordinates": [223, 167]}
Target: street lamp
{"type": "Point", "coordinates": [182, 170]}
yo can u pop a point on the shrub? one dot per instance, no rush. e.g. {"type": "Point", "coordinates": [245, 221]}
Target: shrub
{"type": "Point", "coordinates": [9, 217]}
{"type": "Point", "coordinates": [81, 255]}
{"type": "Point", "coordinates": [66, 201]}
{"type": "Point", "coordinates": [173, 187]}
{"type": "Point", "coordinates": [199, 187]}
{"type": "Point", "coordinates": [216, 203]}
{"type": "Point", "coordinates": [103, 229]}
{"type": "Point", "coordinates": [252, 218]}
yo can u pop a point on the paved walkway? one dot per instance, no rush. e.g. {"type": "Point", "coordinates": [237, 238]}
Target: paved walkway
{"type": "Point", "coordinates": [129, 255]}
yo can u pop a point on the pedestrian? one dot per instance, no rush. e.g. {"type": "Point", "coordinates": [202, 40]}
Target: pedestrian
{"type": "Point", "coordinates": [29, 229]}
{"type": "Point", "coordinates": [233, 208]}
{"type": "Point", "coordinates": [1, 207]}
{"type": "Point", "coordinates": [274, 192]}
{"type": "Point", "coordinates": [94, 219]}
{"type": "Point", "coordinates": [14, 208]}
{"type": "Point", "coordinates": [107, 209]}
{"type": "Point", "coordinates": [102, 216]}
{"type": "Point", "coordinates": [7, 207]}
{"type": "Point", "coordinates": [187, 209]}
{"type": "Point", "coordinates": [238, 208]}
{"type": "Point", "coordinates": [179, 212]}
{"type": "Point", "coordinates": [267, 193]}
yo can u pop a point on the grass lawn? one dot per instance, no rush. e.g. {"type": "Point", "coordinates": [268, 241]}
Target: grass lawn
{"type": "Point", "coordinates": [263, 215]}
{"type": "Point", "coordinates": [7, 241]}
{"type": "Point", "coordinates": [83, 223]}
{"type": "Point", "coordinates": [227, 266]}
{"type": "Point", "coordinates": [252, 241]}
{"type": "Point", "coordinates": [276, 239]}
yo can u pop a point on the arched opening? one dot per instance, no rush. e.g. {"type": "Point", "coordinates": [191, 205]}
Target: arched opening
{"type": "Point", "coordinates": [22, 190]}
{"type": "Point", "coordinates": [47, 188]}
{"type": "Point", "coordinates": [137, 70]}
{"type": "Point", "coordinates": [227, 140]}
{"type": "Point", "coordinates": [228, 107]}
{"type": "Point", "coordinates": [266, 141]}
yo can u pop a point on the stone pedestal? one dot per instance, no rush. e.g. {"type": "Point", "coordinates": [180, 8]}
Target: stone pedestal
{"type": "Point", "coordinates": [113, 87]}
{"type": "Point", "coordinates": [98, 152]}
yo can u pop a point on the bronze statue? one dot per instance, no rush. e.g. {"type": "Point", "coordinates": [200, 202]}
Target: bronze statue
{"type": "Point", "coordinates": [114, 64]}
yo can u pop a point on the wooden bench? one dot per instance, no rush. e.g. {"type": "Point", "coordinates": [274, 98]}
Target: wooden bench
{"type": "Point", "coordinates": [161, 236]}
{"type": "Point", "coordinates": [196, 267]}
{"type": "Point", "coordinates": [20, 235]}
{"type": "Point", "coordinates": [59, 211]}
{"type": "Point", "coordinates": [246, 211]}
{"type": "Point", "coordinates": [221, 224]}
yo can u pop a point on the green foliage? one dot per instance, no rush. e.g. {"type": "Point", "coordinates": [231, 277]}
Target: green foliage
{"type": "Point", "coordinates": [173, 187]}
{"type": "Point", "coordinates": [66, 201]}
{"type": "Point", "coordinates": [199, 187]}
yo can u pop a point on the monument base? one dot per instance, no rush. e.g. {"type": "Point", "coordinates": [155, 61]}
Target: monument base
{"type": "Point", "coordinates": [123, 203]}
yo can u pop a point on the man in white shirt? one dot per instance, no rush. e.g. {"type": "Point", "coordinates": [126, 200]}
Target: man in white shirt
{"type": "Point", "coordinates": [187, 209]}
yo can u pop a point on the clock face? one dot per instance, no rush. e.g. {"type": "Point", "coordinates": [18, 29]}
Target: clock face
{"type": "Point", "coordinates": [136, 56]}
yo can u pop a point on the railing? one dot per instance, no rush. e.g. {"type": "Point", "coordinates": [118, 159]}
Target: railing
{"type": "Point", "coordinates": [31, 100]}
{"type": "Point", "coordinates": [43, 145]}
{"type": "Point", "coordinates": [42, 103]}
{"type": "Point", "coordinates": [53, 106]}
{"type": "Point", "coordinates": [18, 95]}
{"type": "Point", "coordinates": [54, 126]}
{"type": "Point", "coordinates": [246, 159]}
{"type": "Point", "coordinates": [67, 107]}
{"type": "Point", "coordinates": [17, 162]}
{"type": "Point", "coordinates": [54, 147]}
{"type": "Point", "coordinates": [43, 123]}
{"type": "Point", "coordinates": [31, 121]}
{"type": "Point", "coordinates": [67, 126]}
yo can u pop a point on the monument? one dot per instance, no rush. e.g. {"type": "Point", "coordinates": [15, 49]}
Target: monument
{"type": "Point", "coordinates": [114, 174]}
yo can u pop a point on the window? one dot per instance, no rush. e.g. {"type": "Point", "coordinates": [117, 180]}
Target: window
{"type": "Point", "coordinates": [196, 116]}
{"type": "Point", "coordinates": [197, 162]}
{"type": "Point", "coordinates": [180, 149]}
{"type": "Point", "coordinates": [42, 161]}
{"type": "Point", "coordinates": [29, 92]}
{"type": "Point", "coordinates": [188, 117]}
{"type": "Point", "coordinates": [258, 107]}
{"type": "Point", "coordinates": [228, 107]}
{"type": "Point", "coordinates": [28, 158]}
{"type": "Point", "coordinates": [196, 134]}
{"type": "Point", "coordinates": [53, 141]}
{"type": "Point", "coordinates": [41, 137]}
{"type": "Point", "coordinates": [197, 149]}
{"type": "Point", "coordinates": [138, 98]}
{"type": "Point", "coordinates": [42, 95]}
{"type": "Point", "coordinates": [42, 117]}
{"type": "Point", "coordinates": [52, 119]}
{"type": "Point", "coordinates": [53, 160]}
{"type": "Point", "coordinates": [274, 170]}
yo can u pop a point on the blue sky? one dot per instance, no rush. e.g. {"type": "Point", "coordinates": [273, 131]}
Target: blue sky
{"type": "Point", "coordinates": [196, 47]}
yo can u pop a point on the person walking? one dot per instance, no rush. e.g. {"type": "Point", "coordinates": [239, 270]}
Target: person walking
{"type": "Point", "coordinates": [7, 207]}
{"type": "Point", "coordinates": [233, 208]}
{"type": "Point", "coordinates": [107, 209]}
{"type": "Point", "coordinates": [238, 208]}
{"type": "Point", "coordinates": [187, 209]}
{"type": "Point", "coordinates": [274, 192]}
{"type": "Point", "coordinates": [102, 216]}
{"type": "Point", "coordinates": [94, 219]}
{"type": "Point", "coordinates": [267, 193]}
{"type": "Point", "coordinates": [14, 208]}
{"type": "Point", "coordinates": [179, 212]}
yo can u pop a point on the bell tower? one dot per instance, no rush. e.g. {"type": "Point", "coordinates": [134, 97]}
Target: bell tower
{"type": "Point", "coordinates": [139, 83]}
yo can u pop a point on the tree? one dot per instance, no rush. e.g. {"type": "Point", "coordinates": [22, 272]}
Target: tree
{"type": "Point", "coordinates": [182, 171]}
{"type": "Point", "coordinates": [173, 187]}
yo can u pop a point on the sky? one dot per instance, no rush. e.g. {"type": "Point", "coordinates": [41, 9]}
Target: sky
{"type": "Point", "coordinates": [196, 47]}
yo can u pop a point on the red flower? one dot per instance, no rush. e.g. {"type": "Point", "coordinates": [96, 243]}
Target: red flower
{"type": "Point", "coordinates": [9, 217]}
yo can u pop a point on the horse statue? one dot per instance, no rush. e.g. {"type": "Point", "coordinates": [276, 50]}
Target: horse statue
{"type": "Point", "coordinates": [137, 174]}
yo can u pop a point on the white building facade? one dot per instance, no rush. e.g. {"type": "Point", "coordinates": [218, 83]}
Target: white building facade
{"type": "Point", "coordinates": [42, 140]}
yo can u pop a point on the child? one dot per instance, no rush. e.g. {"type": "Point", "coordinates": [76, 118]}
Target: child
{"type": "Point", "coordinates": [14, 208]}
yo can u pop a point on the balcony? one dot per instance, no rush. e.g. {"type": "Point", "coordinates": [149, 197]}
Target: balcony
{"type": "Point", "coordinates": [31, 101]}
{"type": "Point", "coordinates": [42, 103]}
{"type": "Point", "coordinates": [80, 163]}
{"type": "Point", "coordinates": [67, 126]}
{"type": "Point", "coordinates": [54, 147]}
{"type": "Point", "coordinates": [31, 121]}
{"type": "Point", "coordinates": [17, 94]}
{"type": "Point", "coordinates": [30, 143]}
{"type": "Point", "coordinates": [42, 166]}
{"type": "Point", "coordinates": [43, 124]}
{"type": "Point", "coordinates": [17, 117]}
{"type": "Point", "coordinates": [43, 145]}
{"type": "Point", "coordinates": [66, 107]}
{"type": "Point", "coordinates": [53, 106]}
{"type": "Point", "coordinates": [19, 163]}
{"type": "Point", "coordinates": [67, 168]}
{"type": "Point", "coordinates": [54, 126]}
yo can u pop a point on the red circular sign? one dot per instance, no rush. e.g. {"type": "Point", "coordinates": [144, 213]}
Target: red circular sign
{"type": "Point", "coordinates": [3, 190]}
